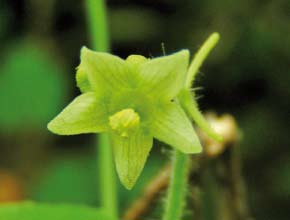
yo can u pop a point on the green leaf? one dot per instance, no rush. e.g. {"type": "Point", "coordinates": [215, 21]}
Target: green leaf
{"type": "Point", "coordinates": [106, 73]}
{"type": "Point", "coordinates": [171, 125]}
{"type": "Point", "coordinates": [130, 155]}
{"type": "Point", "coordinates": [32, 87]}
{"type": "Point", "coordinates": [34, 211]}
{"type": "Point", "coordinates": [164, 77]}
{"type": "Point", "coordinates": [85, 114]}
{"type": "Point", "coordinates": [188, 103]}
{"type": "Point", "coordinates": [66, 174]}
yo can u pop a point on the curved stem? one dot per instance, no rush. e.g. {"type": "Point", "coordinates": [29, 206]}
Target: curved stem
{"type": "Point", "coordinates": [177, 189]}
{"type": "Point", "coordinates": [97, 24]}
{"type": "Point", "coordinates": [200, 56]}
{"type": "Point", "coordinates": [191, 107]}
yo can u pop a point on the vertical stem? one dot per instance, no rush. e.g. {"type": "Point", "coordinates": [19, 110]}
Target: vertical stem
{"type": "Point", "coordinates": [238, 185]}
{"type": "Point", "coordinates": [97, 24]}
{"type": "Point", "coordinates": [107, 176]}
{"type": "Point", "coordinates": [177, 188]}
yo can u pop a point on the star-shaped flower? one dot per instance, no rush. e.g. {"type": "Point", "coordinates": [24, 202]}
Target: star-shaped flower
{"type": "Point", "coordinates": [134, 100]}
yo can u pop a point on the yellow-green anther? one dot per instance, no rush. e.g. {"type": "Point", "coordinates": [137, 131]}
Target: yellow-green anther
{"type": "Point", "coordinates": [125, 122]}
{"type": "Point", "coordinates": [200, 56]}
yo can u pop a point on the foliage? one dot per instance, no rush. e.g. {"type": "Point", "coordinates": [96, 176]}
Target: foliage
{"type": "Point", "coordinates": [33, 211]}
{"type": "Point", "coordinates": [35, 83]}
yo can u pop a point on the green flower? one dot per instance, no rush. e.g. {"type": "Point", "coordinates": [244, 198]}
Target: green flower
{"type": "Point", "coordinates": [134, 100]}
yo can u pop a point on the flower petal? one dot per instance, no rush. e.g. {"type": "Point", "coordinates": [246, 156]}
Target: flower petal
{"type": "Point", "coordinates": [83, 81]}
{"type": "Point", "coordinates": [105, 72]}
{"type": "Point", "coordinates": [172, 126]}
{"type": "Point", "coordinates": [130, 155]}
{"type": "Point", "coordinates": [165, 76]}
{"type": "Point", "coordinates": [85, 114]}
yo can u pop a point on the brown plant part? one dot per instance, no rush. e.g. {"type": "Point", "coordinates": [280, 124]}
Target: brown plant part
{"type": "Point", "coordinates": [217, 172]}
{"type": "Point", "coordinates": [11, 189]}
{"type": "Point", "coordinates": [227, 127]}
{"type": "Point", "coordinates": [143, 204]}
{"type": "Point", "coordinates": [221, 172]}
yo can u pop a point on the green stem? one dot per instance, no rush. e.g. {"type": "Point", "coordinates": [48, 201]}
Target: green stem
{"type": "Point", "coordinates": [107, 176]}
{"type": "Point", "coordinates": [177, 189]}
{"type": "Point", "coordinates": [191, 107]}
{"type": "Point", "coordinates": [200, 56]}
{"type": "Point", "coordinates": [97, 24]}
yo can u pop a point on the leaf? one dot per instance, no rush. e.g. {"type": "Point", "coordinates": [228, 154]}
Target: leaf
{"type": "Point", "coordinates": [64, 175]}
{"type": "Point", "coordinates": [37, 211]}
{"type": "Point", "coordinates": [130, 155]}
{"type": "Point", "coordinates": [32, 87]}
{"type": "Point", "coordinates": [164, 77]}
{"type": "Point", "coordinates": [171, 125]}
{"type": "Point", "coordinates": [85, 114]}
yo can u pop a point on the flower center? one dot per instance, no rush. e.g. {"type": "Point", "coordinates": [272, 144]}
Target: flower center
{"type": "Point", "coordinates": [125, 122]}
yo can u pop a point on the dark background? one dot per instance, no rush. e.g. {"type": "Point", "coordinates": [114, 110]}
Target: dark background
{"type": "Point", "coordinates": [247, 75]}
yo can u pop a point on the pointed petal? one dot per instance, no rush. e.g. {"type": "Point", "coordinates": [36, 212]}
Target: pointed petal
{"type": "Point", "coordinates": [165, 76]}
{"type": "Point", "coordinates": [105, 72]}
{"type": "Point", "coordinates": [172, 126]}
{"type": "Point", "coordinates": [189, 104]}
{"type": "Point", "coordinates": [130, 155]}
{"type": "Point", "coordinates": [85, 114]}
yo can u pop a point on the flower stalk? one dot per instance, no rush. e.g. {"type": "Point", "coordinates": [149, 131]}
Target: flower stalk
{"type": "Point", "coordinates": [177, 188]}
{"type": "Point", "coordinates": [176, 194]}
{"type": "Point", "coordinates": [97, 24]}
{"type": "Point", "coordinates": [200, 56]}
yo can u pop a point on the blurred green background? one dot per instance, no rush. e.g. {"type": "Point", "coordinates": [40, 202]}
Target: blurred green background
{"type": "Point", "coordinates": [247, 75]}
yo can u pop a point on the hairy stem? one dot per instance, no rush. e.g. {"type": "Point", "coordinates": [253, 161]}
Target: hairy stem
{"type": "Point", "coordinates": [200, 56]}
{"type": "Point", "coordinates": [177, 188]}
{"type": "Point", "coordinates": [146, 202]}
{"type": "Point", "coordinates": [97, 24]}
